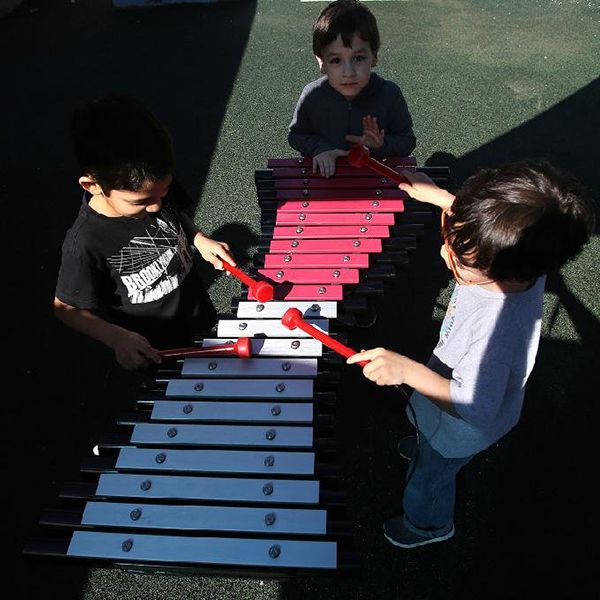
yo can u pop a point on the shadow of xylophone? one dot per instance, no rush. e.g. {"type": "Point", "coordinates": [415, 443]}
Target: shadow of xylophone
{"type": "Point", "coordinates": [229, 463]}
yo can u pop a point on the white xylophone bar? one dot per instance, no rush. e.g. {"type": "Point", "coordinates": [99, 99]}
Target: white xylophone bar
{"type": "Point", "coordinates": [191, 550]}
{"type": "Point", "coordinates": [224, 489]}
{"type": "Point", "coordinates": [275, 346]}
{"type": "Point", "coordinates": [205, 518]}
{"type": "Point", "coordinates": [264, 412]}
{"type": "Point", "coordinates": [256, 367]}
{"type": "Point", "coordinates": [276, 310]}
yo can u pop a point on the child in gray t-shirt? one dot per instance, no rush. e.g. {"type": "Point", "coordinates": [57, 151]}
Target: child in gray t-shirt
{"type": "Point", "coordinates": [505, 229]}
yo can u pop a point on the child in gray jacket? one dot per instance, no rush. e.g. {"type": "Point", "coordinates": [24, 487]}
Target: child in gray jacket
{"type": "Point", "coordinates": [349, 104]}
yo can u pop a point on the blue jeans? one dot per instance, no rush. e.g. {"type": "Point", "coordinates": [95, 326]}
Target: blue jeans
{"type": "Point", "coordinates": [430, 492]}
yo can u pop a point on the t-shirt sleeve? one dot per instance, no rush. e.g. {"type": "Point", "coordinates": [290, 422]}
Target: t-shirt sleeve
{"type": "Point", "coordinates": [78, 281]}
{"type": "Point", "coordinates": [480, 378]}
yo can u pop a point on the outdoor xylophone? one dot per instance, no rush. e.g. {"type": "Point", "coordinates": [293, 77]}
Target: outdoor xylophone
{"type": "Point", "coordinates": [229, 464]}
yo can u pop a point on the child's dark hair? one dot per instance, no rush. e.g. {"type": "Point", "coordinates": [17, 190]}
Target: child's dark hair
{"type": "Point", "coordinates": [519, 221]}
{"type": "Point", "coordinates": [345, 18]}
{"type": "Point", "coordinates": [120, 144]}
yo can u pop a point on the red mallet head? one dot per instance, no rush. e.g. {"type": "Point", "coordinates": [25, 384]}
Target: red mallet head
{"type": "Point", "coordinates": [291, 318]}
{"type": "Point", "coordinates": [243, 347]}
{"type": "Point", "coordinates": [263, 291]}
{"type": "Point", "coordinates": [359, 156]}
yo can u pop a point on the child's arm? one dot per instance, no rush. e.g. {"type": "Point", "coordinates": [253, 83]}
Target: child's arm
{"type": "Point", "coordinates": [300, 136]}
{"type": "Point", "coordinates": [389, 368]}
{"type": "Point", "coordinates": [131, 350]}
{"type": "Point", "coordinates": [382, 143]}
{"type": "Point", "coordinates": [423, 189]}
{"type": "Point", "coordinates": [211, 250]}
{"type": "Point", "coordinates": [324, 163]}
{"type": "Point", "coordinates": [372, 136]}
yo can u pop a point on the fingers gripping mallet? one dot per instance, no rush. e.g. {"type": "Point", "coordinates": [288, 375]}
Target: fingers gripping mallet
{"type": "Point", "coordinates": [262, 290]}
{"type": "Point", "coordinates": [242, 349]}
{"type": "Point", "coordinates": [292, 318]}
{"type": "Point", "coordinates": [359, 156]}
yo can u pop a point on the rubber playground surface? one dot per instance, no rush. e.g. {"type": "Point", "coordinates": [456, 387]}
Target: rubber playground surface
{"type": "Point", "coordinates": [486, 81]}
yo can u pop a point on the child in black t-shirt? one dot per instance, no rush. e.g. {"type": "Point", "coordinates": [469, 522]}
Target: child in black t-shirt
{"type": "Point", "coordinates": [127, 274]}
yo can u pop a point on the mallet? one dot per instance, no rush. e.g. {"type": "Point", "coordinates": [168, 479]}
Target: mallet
{"type": "Point", "coordinates": [292, 318]}
{"type": "Point", "coordinates": [359, 156]}
{"type": "Point", "coordinates": [242, 349]}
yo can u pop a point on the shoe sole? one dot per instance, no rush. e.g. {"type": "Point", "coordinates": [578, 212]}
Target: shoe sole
{"type": "Point", "coordinates": [440, 538]}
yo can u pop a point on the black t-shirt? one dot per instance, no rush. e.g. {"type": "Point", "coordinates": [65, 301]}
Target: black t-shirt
{"type": "Point", "coordinates": [135, 272]}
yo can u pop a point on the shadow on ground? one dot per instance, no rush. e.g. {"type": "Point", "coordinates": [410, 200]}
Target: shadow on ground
{"type": "Point", "coordinates": [55, 55]}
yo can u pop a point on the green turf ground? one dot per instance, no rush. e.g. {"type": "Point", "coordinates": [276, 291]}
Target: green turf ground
{"type": "Point", "coordinates": [486, 82]}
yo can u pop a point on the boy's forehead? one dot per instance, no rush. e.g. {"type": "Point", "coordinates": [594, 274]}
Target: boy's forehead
{"type": "Point", "coordinates": [338, 47]}
{"type": "Point", "coordinates": [147, 189]}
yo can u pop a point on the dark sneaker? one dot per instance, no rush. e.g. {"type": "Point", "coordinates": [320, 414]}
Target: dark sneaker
{"type": "Point", "coordinates": [396, 533]}
{"type": "Point", "coordinates": [407, 446]}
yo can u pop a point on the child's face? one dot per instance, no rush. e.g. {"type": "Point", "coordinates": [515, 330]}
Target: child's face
{"type": "Point", "coordinates": [348, 69]}
{"type": "Point", "coordinates": [462, 273]}
{"type": "Point", "coordinates": [125, 203]}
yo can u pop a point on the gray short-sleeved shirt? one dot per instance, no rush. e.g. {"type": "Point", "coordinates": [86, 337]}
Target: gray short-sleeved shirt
{"type": "Point", "coordinates": [487, 348]}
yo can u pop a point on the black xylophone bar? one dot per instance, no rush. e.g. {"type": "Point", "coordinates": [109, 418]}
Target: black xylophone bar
{"type": "Point", "coordinates": [285, 178]}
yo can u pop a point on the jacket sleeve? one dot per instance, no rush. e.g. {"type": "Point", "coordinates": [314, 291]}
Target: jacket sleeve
{"type": "Point", "coordinates": [300, 136]}
{"type": "Point", "coordinates": [399, 139]}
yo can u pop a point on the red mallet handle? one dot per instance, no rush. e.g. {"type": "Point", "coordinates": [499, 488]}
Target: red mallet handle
{"type": "Point", "coordinates": [262, 290]}
{"type": "Point", "coordinates": [359, 156]}
{"type": "Point", "coordinates": [242, 349]}
{"type": "Point", "coordinates": [292, 318]}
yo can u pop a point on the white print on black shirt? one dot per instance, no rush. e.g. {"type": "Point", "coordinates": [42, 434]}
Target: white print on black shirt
{"type": "Point", "coordinates": [154, 265]}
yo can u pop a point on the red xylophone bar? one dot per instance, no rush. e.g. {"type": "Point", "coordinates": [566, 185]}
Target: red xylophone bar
{"type": "Point", "coordinates": [292, 318]}
{"type": "Point", "coordinates": [360, 157]}
{"type": "Point", "coordinates": [242, 349]}
{"type": "Point", "coordinates": [262, 290]}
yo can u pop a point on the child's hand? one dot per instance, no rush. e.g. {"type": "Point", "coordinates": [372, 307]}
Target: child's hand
{"type": "Point", "coordinates": [324, 163]}
{"type": "Point", "coordinates": [422, 188]}
{"type": "Point", "coordinates": [133, 351]}
{"type": "Point", "coordinates": [385, 367]}
{"type": "Point", "coordinates": [372, 136]}
{"type": "Point", "coordinates": [213, 251]}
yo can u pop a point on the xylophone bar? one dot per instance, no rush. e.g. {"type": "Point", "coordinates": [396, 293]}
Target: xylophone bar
{"type": "Point", "coordinates": [405, 162]}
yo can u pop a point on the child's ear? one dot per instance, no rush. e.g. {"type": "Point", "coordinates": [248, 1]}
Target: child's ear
{"type": "Point", "coordinates": [374, 63]}
{"type": "Point", "coordinates": [321, 66]}
{"type": "Point", "coordinates": [90, 185]}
